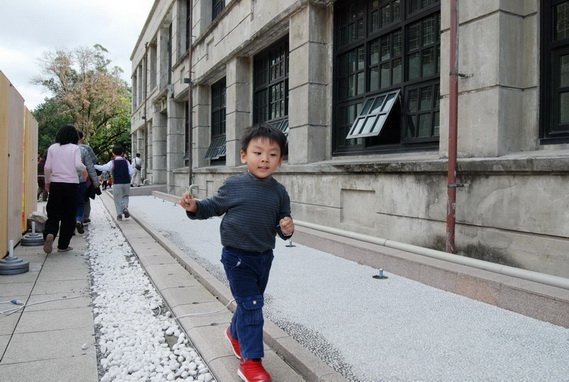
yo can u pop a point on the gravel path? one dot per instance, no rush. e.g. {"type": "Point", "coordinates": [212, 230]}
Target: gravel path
{"type": "Point", "coordinates": [381, 330]}
{"type": "Point", "coordinates": [137, 338]}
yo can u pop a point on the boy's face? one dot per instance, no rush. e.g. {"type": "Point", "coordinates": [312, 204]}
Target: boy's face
{"type": "Point", "coordinates": [263, 157]}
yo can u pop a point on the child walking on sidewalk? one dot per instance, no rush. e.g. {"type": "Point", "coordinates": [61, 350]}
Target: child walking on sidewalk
{"type": "Point", "coordinates": [121, 172]}
{"type": "Point", "coordinates": [256, 208]}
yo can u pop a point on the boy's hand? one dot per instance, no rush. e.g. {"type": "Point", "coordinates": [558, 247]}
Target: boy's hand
{"type": "Point", "coordinates": [188, 202]}
{"type": "Point", "coordinates": [287, 226]}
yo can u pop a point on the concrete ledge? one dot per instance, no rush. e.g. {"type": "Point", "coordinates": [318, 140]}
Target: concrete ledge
{"type": "Point", "coordinates": [147, 189]}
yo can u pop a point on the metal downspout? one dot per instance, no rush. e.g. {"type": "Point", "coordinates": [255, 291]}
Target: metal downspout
{"type": "Point", "coordinates": [145, 116]}
{"type": "Point", "coordinates": [452, 134]}
{"type": "Point", "coordinates": [190, 102]}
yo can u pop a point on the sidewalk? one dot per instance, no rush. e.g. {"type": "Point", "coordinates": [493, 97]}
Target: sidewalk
{"type": "Point", "coordinates": [52, 338]}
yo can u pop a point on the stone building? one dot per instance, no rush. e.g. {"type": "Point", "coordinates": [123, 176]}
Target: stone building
{"type": "Point", "coordinates": [361, 87]}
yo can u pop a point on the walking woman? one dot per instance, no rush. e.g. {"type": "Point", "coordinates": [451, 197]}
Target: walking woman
{"type": "Point", "coordinates": [62, 168]}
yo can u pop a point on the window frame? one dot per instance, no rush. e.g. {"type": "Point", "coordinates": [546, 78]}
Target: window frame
{"type": "Point", "coordinates": [270, 83]}
{"type": "Point", "coordinates": [369, 32]}
{"type": "Point", "coordinates": [217, 149]}
{"type": "Point", "coordinates": [374, 112]}
{"type": "Point", "coordinates": [550, 77]}
{"type": "Point", "coordinates": [188, 24]}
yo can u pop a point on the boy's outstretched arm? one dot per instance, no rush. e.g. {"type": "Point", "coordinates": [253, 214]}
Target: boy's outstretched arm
{"type": "Point", "coordinates": [188, 202]}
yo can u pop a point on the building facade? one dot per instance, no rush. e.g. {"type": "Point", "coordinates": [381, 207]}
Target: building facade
{"type": "Point", "coordinates": [361, 88]}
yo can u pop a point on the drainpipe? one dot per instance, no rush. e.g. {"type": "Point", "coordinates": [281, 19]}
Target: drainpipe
{"type": "Point", "coordinates": [452, 134]}
{"type": "Point", "coordinates": [145, 113]}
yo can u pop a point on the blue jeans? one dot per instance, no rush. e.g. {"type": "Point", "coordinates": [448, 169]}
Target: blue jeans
{"type": "Point", "coordinates": [81, 195]}
{"type": "Point", "coordinates": [248, 274]}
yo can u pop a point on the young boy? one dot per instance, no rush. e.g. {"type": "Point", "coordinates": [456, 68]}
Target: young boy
{"type": "Point", "coordinates": [256, 208]}
{"type": "Point", "coordinates": [122, 171]}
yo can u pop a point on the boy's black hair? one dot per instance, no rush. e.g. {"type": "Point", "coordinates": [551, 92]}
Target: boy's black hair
{"type": "Point", "coordinates": [67, 134]}
{"type": "Point", "coordinates": [264, 130]}
{"type": "Point", "coordinates": [118, 150]}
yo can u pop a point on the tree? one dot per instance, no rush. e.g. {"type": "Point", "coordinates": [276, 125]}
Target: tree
{"type": "Point", "coordinates": [50, 116]}
{"type": "Point", "coordinates": [91, 94]}
{"type": "Point", "coordinates": [117, 131]}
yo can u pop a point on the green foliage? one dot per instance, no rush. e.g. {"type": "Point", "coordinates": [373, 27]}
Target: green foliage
{"type": "Point", "coordinates": [87, 93]}
{"type": "Point", "coordinates": [117, 131]}
{"type": "Point", "coordinates": [50, 116]}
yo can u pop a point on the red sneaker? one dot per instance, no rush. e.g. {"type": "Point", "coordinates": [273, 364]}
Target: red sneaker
{"type": "Point", "coordinates": [252, 370]}
{"type": "Point", "coordinates": [234, 344]}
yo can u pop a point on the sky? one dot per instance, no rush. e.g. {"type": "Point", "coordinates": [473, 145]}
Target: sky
{"type": "Point", "coordinates": [28, 28]}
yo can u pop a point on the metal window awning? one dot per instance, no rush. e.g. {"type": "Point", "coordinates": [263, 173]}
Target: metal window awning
{"type": "Point", "coordinates": [217, 148]}
{"type": "Point", "coordinates": [281, 125]}
{"type": "Point", "coordinates": [373, 116]}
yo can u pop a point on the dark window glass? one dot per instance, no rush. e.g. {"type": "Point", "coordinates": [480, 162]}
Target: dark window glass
{"type": "Point", "coordinates": [270, 75]}
{"type": "Point", "coordinates": [188, 23]}
{"type": "Point", "coordinates": [384, 13]}
{"type": "Point", "coordinates": [217, 147]}
{"type": "Point", "coordinates": [554, 72]}
{"type": "Point", "coordinates": [561, 21]}
{"type": "Point", "coordinates": [386, 47]}
{"type": "Point", "coordinates": [216, 8]}
{"type": "Point", "coordinates": [187, 148]}
{"type": "Point", "coordinates": [170, 54]}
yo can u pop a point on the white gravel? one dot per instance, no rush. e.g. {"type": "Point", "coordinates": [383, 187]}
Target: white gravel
{"type": "Point", "coordinates": [137, 339]}
{"type": "Point", "coordinates": [380, 330]}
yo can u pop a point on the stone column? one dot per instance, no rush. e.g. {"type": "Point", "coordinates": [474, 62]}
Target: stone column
{"type": "Point", "coordinates": [201, 129]}
{"type": "Point", "coordinates": [499, 77]}
{"type": "Point", "coordinates": [159, 130]}
{"type": "Point", "coordinates": [139, 147]}
{"type": "Point", "coordinates": [162, 64]}
{"type": "Point", "coordinates": [147, 169]}
{"type": "Point", "coordinates": [238, 106]}
{"type": "Point", "coordinates": [310, 76]}
{"type": "Point", "coordinates": [175, 141]}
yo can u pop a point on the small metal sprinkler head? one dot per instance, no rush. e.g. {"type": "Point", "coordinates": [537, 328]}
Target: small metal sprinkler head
{"type": "Point", "coordinates": [380, 275]}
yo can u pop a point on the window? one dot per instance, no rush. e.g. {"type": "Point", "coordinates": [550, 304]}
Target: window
{"type": "Point", "coordinates": [216, 8]}
{"type": "Point", "coordinates": [134, 91]}
{"type": "Point", "coordinates": [152, 52]}
{"type": "Point", "coordinates": [270, 99]}
{"type": "Point", "coordinates": [187, 145]}
{"type": "Point", "coordinates": [188, 23]}
{"type": "Point", "coordinates": [386, 75]}
{"type": "Point", "coordinates": [170, 54]}
{"type": "Point", "coordinates": [554, 105]}
{"type": "Point", "coordinates": [217, 147]}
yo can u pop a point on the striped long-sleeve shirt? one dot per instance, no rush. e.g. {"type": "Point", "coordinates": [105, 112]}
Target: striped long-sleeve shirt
{"type": "Point", "coordinates": [253, 208]}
